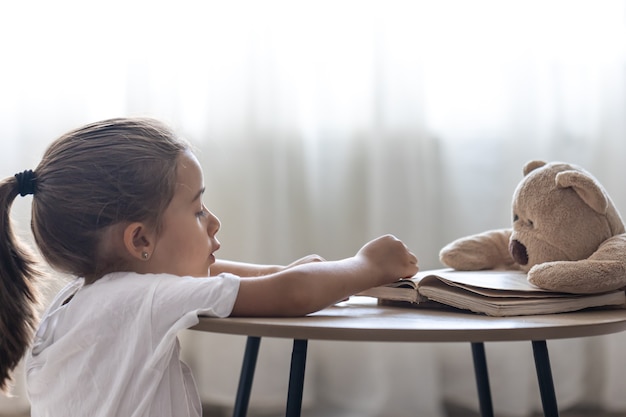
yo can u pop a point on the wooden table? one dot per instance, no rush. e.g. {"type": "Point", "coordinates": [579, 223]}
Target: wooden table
{"type": "Point", "coordinates": [361, 319]}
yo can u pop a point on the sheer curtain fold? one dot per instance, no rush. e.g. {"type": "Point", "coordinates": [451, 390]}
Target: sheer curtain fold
{"type": "Point", "coordinates": [321, 125]}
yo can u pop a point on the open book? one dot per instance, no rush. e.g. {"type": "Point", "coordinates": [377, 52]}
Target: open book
{"type": "Point", "coordinates": [491, 292]}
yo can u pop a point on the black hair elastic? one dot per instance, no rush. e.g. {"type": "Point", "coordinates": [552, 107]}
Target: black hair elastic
{"type": "Point", "coordinates": [26, 182]}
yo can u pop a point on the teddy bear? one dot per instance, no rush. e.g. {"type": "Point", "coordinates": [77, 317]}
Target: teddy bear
{"type": "Point", "coordinates": [566, 234]}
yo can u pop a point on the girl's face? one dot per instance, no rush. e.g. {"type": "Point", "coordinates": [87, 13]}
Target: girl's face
{"type": "Point", "coordinates": [187, 243]}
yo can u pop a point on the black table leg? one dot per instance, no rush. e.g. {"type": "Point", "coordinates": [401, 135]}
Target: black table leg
{"type": "Point", "coordinates": [246, 376]}
{"type": "Point", "coordinates": [296, 378]}
{"type": "Point", "coordinates": [482, 379]}
{"type": "Point", "coordinates": [544, 376]}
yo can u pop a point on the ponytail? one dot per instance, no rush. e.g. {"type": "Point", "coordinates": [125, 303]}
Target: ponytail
{"type": "Point", "coordinates": [18, 294]}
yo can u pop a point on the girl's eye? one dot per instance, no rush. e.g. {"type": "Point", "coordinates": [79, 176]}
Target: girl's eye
{"type": "Point", "coordinates": [202, 213]}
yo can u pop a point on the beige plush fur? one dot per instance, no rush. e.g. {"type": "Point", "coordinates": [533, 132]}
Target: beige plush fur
{"type": "Point", "coordinates": [566, 234]}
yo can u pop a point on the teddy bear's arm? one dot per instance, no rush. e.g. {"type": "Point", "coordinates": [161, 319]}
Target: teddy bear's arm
{"type": "Point", "coordinates": [604, 270]}
{"type": "Point", "coordinates": [487, 250]}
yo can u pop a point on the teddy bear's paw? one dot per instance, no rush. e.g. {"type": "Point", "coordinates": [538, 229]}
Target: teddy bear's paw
{"type": "Point", "coordinates": [488, 250]}
{"type": "Point", "coordinates": [463, 261]}
{"type": "Point", "coordinates": [579, 277]}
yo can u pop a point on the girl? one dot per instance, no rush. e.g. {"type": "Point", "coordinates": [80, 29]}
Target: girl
{"type": "Point", "coordinates": [118, 204]}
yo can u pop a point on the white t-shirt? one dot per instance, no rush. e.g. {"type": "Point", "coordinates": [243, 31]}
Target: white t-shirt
{"type": "Point", "coordinates": [112, 350]}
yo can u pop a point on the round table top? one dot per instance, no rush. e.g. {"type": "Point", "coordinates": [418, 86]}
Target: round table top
{"type": "Point", "coordinates": [361, 318]}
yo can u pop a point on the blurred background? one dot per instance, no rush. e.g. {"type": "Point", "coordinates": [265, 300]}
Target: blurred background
{"type": "Point", "coordinates": [323, 124]}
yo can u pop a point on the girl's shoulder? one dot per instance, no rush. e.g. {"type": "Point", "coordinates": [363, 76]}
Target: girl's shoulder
{"type": "Point", "coordinates": [167, 285]}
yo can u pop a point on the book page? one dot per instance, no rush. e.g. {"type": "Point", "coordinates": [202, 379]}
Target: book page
{"type": "Point", "coordinates": [493, 283]}
{"type": "Point", "coordinates": [514, 306]}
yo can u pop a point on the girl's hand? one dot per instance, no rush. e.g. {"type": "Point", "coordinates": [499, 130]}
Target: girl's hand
{"type": "Point", "coordinates": [391, 257]}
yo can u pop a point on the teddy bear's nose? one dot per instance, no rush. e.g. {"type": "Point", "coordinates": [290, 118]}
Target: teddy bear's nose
{"type": "Point", "coordinates": [518, 252]}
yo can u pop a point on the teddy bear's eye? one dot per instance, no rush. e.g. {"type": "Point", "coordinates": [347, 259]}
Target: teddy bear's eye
{"type": "Point", "coordinates": [515, 217]}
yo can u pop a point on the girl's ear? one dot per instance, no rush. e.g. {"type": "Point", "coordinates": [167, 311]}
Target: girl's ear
{"type": "Point", "coordinates": [139, 241]}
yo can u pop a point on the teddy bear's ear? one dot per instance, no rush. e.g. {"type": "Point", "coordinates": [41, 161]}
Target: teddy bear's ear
{"type": "Point", "coordinates": [586, 188]}
{"type": "Point", "coordinates": [532, 165]}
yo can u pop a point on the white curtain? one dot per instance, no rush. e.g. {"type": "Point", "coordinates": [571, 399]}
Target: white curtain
{"type": "Point", "coordinates": [322, 124]}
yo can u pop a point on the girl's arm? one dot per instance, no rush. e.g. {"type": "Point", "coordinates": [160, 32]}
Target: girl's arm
{"type": "Point", "coordinates": [255, 270]}
{"type": "Point", "coordinates": [309, 287]}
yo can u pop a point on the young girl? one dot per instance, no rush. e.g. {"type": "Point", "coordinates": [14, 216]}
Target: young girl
{"type": "Point", "coordinates": [118, 204]}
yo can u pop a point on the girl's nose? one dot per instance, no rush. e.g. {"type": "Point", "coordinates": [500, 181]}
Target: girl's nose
{"type": "Point", "coordinates": [214, 224]}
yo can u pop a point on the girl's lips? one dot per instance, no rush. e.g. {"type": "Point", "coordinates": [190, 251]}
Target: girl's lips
{"type": "Point", "coordinates": [216, 247]}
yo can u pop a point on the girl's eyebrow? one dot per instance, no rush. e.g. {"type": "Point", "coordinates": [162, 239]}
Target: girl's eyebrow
{"type": "Point", "coordinates": [197, 196]}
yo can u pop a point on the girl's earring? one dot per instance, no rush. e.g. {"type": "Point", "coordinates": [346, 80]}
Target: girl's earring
{"type": "Point", "coordinates": [144, 256]}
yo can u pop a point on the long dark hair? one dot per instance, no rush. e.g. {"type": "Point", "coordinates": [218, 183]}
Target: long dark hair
{"type": "Point", "coordinates": [99, 175]}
